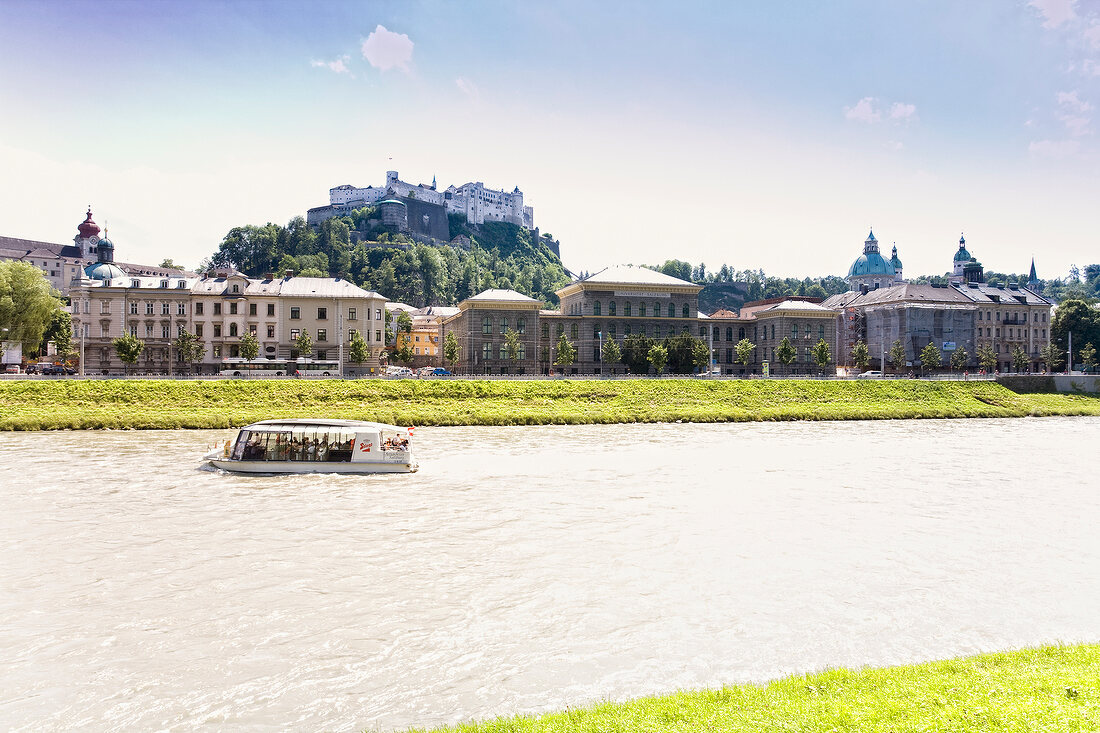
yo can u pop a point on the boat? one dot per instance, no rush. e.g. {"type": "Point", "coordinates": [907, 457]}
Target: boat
{"type": "Point", "coordinates": [316, 446]}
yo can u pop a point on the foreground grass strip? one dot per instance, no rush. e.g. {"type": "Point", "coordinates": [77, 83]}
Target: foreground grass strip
{"type": "Point", "coordinates": [1052, 689]}
{"type": "Point", "coordinates": [121, 404]}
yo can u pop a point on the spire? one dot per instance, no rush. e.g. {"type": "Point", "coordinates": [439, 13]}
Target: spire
{"type": "Point", "coordinates": [962, 240]}
{"type": "Point", "coordinates": [433, 181]}
{"type": "Point", "coordinates": [871, 235]}
{"type": "Point", "coordinates": [1032, 277]}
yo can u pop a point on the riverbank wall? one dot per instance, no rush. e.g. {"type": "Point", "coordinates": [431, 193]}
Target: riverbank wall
{"type": "Point", "coordinates": [1069, 383]}
{"type": "Point", "coordinates": [166, 404]}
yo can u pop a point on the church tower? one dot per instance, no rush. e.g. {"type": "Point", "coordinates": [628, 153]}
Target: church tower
{"type": "Point", "coordinates": [87, 238]}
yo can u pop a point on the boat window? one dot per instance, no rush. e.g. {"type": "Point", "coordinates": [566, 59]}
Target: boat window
{"type": "Point", "coordinates": [394, 441]}
{"type": "Point", "coordinates": [242, 441]}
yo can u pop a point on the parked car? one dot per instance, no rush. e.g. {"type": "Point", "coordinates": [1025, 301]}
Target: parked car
{"type": "Point", "coordinates": [870, 375]}
{"type": "Point", "coordinates": [57, 370]}
{"type": "Point", "coordinates": [12, 369]}
{"type": "Point", "coordinates": [32, 369]}
{"type": "Point", "coordinates": [441, 372]}
{"type": "Point", "coordinates": [399, 371]}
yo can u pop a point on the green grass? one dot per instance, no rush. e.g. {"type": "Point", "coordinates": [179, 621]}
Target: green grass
{"type": "Point", "coordinates": [84, 404]}
{"type": "Point", "coordinates": [1054, 689]}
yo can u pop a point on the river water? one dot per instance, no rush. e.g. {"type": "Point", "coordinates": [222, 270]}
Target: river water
{"type": "Point", "coordinates": [526, 568]}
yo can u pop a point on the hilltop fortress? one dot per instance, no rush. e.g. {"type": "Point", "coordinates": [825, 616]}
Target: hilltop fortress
{"type": "Point", "coordinates": [473, 200]}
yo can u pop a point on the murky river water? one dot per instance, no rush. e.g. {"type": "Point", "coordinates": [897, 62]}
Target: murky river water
{"type": "Point", "coordinates": [526, 569]}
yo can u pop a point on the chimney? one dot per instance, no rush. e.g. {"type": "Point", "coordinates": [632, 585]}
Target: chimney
{"type": "Point", "coordinates": [288, 274]}
{"type": "Point", "coordinates": [269, 276]}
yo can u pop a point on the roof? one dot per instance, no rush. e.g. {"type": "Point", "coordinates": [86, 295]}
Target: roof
{"type": "Point", "coordinates": [986, 293]}
{"type": "Point", "coordinates": [723, 313]}
{"type": "Point", "coordinates": [323, 423]}
{"type": "Point", "coordinates": [502, 295]}
{"type": "Point", "coordinates": [16, 248]}
{"type": "Point", "coordinates": [798, 306]}
{"type": "Point", "coordinates": [871, 263]}
{"type": "Point", "coordinates": [902, 293]}
{"type": "Point", "coordinates": [325, 287]}
{"type": "Point", "coordinates": [632, 275]}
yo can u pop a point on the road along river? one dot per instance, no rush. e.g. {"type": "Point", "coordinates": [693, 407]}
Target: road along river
{"type": "Point", "coordinates": [527, 568]}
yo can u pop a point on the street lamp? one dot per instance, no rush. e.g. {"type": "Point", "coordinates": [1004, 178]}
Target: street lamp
{"type": "Point", "coordinates": [599, 335]}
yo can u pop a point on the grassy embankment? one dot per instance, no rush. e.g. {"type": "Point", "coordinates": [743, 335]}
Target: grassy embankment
{"type": "Point", "coordinates": [90, 404]}
{"type": "Point", "coordinates": [1053, 688]}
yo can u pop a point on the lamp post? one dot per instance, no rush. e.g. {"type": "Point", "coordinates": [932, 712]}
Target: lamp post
{"type": "Point", "coordinates": [599, 335]}
{"type": "Point", "coordinates": [1069, 354]}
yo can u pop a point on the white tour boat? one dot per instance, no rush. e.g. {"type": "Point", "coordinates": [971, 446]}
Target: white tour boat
{"type": "Point", "coordinates": [317, 446]}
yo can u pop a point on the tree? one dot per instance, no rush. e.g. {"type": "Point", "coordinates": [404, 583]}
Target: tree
{"type": "Point", "coordinates": [897, 356]}
{"type": "Point", "coordinates": [404, 323]}
{"type": "Point", "coordinates": [861, 357]}
{"type": "Point", "coordinates": [1076, 317]}
{"type": "Point", "coordinates": [511, 345]}
{"type": "Point", "coordinates": [658, 355]}
{"type": "Point", "coordinates": [451, 349]}
{"type": "Point", "coordinates": [1087, 355]}
{"type": "Point", "coordinates": [931, 356]}
{"type": "Point", "coordinates": [357, 349]}
{"type": "Point", "coordinates": [635, 353]}
{"type": "Point", "coordinates": [744, 350]}
{"type": "Point", "coordinates": [611, 353]}
{"type": "Point", "coordinates": [565, 352]}
{"type": "Point", "coordinates": [27, 304]}
{"type": "Point", "coordinates": [785, 353]}
{"type": "Point", "coordinates": [821, 353]}
{"type": "Point", "coordinates": [987, 357]}
{"type": "Point", "coordinates": [1050, 355]}
{"type": "Point", "coordinates": [60, 332]}
{"type": "Point", "coordinates": [129, 348]}
{"type": "Point", "coordinates": [1020, 359]}
{"type": "Point", "coordinates": [404, 353]}
{"type": "Point", "coordinates": [189, 348]}
{"type": "Point", "coordinates": [250, 346]}
{"type": "Point", "coordinates": [958, 360]}
{"type": "Point", "coordinates": [304, 345]}
{"type": "Point", "coordinates": [168, 264]}
{"type": "Point", "coordinates": [700, 354]}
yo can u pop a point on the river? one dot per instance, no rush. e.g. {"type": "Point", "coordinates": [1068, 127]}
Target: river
{"type": "Point", "coordinates": [525, 569]}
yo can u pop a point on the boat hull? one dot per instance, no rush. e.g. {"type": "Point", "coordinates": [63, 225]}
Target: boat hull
{"type": "Point", "coordinates": [297, 467]}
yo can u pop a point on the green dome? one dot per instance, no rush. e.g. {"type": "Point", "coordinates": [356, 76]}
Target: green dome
{"type": "Point", "coordinates": [103, 271]}
{"type": "Point", "coordinates": [871, 264]}
{"type": "Point", "coordinates": [895, 263]}
{"type": "Point", "coordinates": [962, 255]}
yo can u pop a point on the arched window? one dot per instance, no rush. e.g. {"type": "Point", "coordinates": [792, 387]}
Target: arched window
{"type": "Point", "coordinates": [597, 309]}
{"type": "Point", "coordinates": [741, 334]}
{"type": "Point", "coordinates": [521, 325]}
{"type": "Point", "coordinates": [545, 330]}
{"type": "Point", "coordinates": [685, 311]}
{"type": "Point", "coordinates": [671, 310]}
{"type": "Point", "coordinates": [573, 331]}
{"type": "Point", "coordinates": [729, 333]}
{"type": "Point", "coordinates": [596, 330]}
{"type": "Point", "coordinates": [612, 330]}
{"type": "Point", "coordinates": [626, 309]}
{"type": "Point", "coordinates": [611, 308]}
{"type": "Point", "coordinates": [657, 310]}
{"type": "Point", "coordinates": [716, 333]}
{"type": "Point", "coordinates": [821, 330]}
{"type": "Point", "coordinates": [561, 329]}
{"type": "Point", "coordinates": [641, 309]}
{"type": "Point", "coordinates": [504, 324]}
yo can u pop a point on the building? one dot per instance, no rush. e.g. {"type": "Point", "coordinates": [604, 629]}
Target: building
{"type": "Point", "coordinates": [64, 263]}
{"type": "Point", "coordinates": [219, 307]}
{"type": "Point", "coordinates": [873, 270]}
{"type": "Point", "coordinates": [481, 326]}
{"type": "Point", "coordinates": [473, 200]}
{"type": "Point", "coordinates": [803, 321]}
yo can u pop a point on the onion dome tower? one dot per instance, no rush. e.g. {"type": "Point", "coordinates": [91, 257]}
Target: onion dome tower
{"type": "Point", "coordinates": [870, 268]}
{"type": "Point", "coordinates": [896, 264]}
{"type": "Point", "coordinates": [104, 267]}
{"type": "Point", "coordinates": [87, 238]}
{"type": "Point", "coordinates": [962, 256]}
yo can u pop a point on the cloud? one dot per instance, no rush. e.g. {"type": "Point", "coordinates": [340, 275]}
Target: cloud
{"type": "Point", "coordinates": [895, 145]}
{"type": "Point", "coordinates": [339, 65]}
{"type": "Point", "coordinates": [1092, 35]}
{"type": "Point", "coordinates": [385, 49]}
{"type": "Point", "coordinates": [900, 111]}
{"type": "Point", "coordinates": [863, 111]}
{"type": "Point", "coordinates": [1055, 12]}
{"type": "Point", "coordinates": [1056, 149]}
{"type": "Point", "coordinates": [1076, 125]}
{"type": "Point", "coordinates": [467, 87]}
{"type": "Point", "coordinates": [1070, 101]}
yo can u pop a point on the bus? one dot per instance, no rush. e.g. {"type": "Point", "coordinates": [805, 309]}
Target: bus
{"type": "Point", "coordinates": [234, 367]}
{"type": "Point", "coordinates": [313, 368]}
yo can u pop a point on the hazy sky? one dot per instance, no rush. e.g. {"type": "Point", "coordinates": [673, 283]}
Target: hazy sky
{"type": "Point", "coordinates": [761, 134]}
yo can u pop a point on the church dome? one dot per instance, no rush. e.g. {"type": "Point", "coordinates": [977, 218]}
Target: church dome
{"type": "Point", "coordinates": [871, 264]}
{"type": "Point", "coordinates": [894, 261]}
{"type": "Point", "coordinates": [103, 271]}
{"type": "Point", "coordinates": [88, 228]}
{"type": "Point", "coordinates": [962, 255]}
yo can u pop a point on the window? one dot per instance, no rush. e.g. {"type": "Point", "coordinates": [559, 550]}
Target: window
{"type": "Point", "coordinates": [821, 330]}
{"type": "Point", "coordinates": [322, 354]}
{"type": "Point", "coordinates": [165, 308]}
{"type": "Point", "coordinates": [164, 330]}
{"type": "Point", "coordinates": [671, 310]}
{"type": "Point", "coordinates": [685, 311]}
{"type": "Point", "coordinates": [596, 330]}
{"type": "Point", "coordinates": [181, 309]}
{"type": "Point", "coordinates": [626, 330]}
{"type": "Point", "coordinates": [351, 314]}
{"type": "Point", "coordinates": [641, 309]}
{"type": "Point", "coordinates": [271, 332]}
{"type": "Point", "coordinates": [729, 333]}
{"type": "Point", "coordinates": [198, 308]}
{"type": "Point", "coordinates": [322, 314]}
{"type": "Point", "coordinates": [378, 314]}
{"type": "Point", "coordinates": [148, 330]}
{"type": "Point", "coordinates": [133, 308]}
{"type": "Point", "coordinates": [295, 333]}
{"type": "Point", "coordinates": [573, 331]}
{"type": "Point", "coordinates": [217, 309]}
{"type": "Point", "coordinates": [234, 351]}
{"type": "Point", "coordinates": [503, 350]}
{"type": "Point", "coordinates": [611, 308]}
{"type": "Point", "coordinates": [486, 325]}
{"type": "Point", "coordinates": [164, 283]}
{"type": "Point", "coordinates": [561, 329]}
{"type": "Point", "coordinates": [217, 330]}
{"type": "Point", "coordinates": [773, 330]}
{"type": "Point", "coordinates": [216, 351]}
{"type": "Point", "coordinates": [612, 329]}
{"type": "Point", "coordinates": [181, 285]}
{"type": "Point", "coordinates": [148, 308]}
{"type": "Point", "coordinates": [251, 309]}
{"type": "Point", "coordinates": [87, 306]}
{"type": "Point", "coordinates": [486, 350]}
{"type": "Point", "coordinates": [521, 325]}
{"type": "Point", "coordinates": [626, 309]}
{"type": "Point", "coordinates": [252, 330]}
{"type": "Point", "coordinates": [545, 330]}
{"type": "Point", "coordinates": [135, 283]}
{"type": "Point", "coordinates": [236, 288]}
{"type": "Point", "coordinates": [378, 336]}
{"type": "Point", "coordinates": [504, 324]}
{"type": "Point", "coordinates": [351, 335]}
{"type": "Point", "coordinates": [322, 334]}
{"type": "Point", "coordinates": [597, 309]}
{"type": "Point", "coordinates": [295, 313]}
{"type": "Point", "coordinates": [521, 351]}
{"type": "Point", "coordinates": [198, 330]}
{"type": "Point", "coordinates": [103, 331]}
{"type": "Point", "coordinates": [794, 330]}
{"type": "Point", "coordinates": [133, 330]}
{"type": "Point", "coordinates": [271, 310]}
{"type": "Point", "coordinates": [233, 309]}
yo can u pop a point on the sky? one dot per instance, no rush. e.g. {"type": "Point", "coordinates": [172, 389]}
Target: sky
{"type": "Point", "coordinates": [766, 135]}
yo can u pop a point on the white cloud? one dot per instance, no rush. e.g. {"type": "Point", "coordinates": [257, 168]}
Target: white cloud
{"type": "Point", "coordinates": [467, 87]}
{"type": "Point", "coordinates": [1076, 125]}
{"type": "Point", "coordinates": [340, 65]}
{"type": "Point", "coordinates": [1070, 101]}
{"type": "Point", "coordinates": [1090, 68]}
{"type": "Point", "coordinates": [900, 111]}
{"type": "Point", "coordinates": [1092, 35]}
{"type": "Point", "coordinates": [1053, 148]}
{"type": "Point", "coordinates": [385, 49]}
{"type": "Point", "coordinates": [863, 111]}
{"type": "Point", "coordinates": [1055, 12]}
